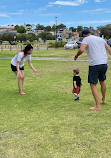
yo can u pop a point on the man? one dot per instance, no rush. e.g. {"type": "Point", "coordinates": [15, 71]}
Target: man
{"type": "Point", "coordinates": [96, 50]}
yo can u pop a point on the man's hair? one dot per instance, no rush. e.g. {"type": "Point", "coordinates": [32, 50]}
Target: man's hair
{"type": "Point", "coordinates": [85, 32]}
{"type": "Point", "coordinates": [76, 71]}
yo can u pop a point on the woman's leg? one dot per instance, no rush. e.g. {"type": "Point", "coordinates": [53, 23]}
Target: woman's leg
{"type": "Point", "coordinates": [22, 72]}
{"type": "Point", "coordinates": [20, 82]}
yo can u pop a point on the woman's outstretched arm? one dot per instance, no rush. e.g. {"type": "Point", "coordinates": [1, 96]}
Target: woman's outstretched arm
{"type": "Point", "coordinates": [32, 67]}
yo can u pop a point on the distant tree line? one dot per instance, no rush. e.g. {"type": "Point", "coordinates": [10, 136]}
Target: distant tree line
{"type": "Point", "coordinates": [46, 35]}
{"type": "Point", "coordinates": [22, 37]}
{"type": "Point", "coordinates": [105, 31]}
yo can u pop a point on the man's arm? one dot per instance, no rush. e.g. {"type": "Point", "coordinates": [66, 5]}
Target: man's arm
{"type": "Point", "coordinates": [108, 48]}
{"type": "Point", "coordinates": [80, 51]}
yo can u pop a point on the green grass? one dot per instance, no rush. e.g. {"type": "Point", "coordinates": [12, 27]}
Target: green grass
{"type": "Point", "coordinates": [47, 122]}
{"type": "Point", "coordinates": [51, 53]}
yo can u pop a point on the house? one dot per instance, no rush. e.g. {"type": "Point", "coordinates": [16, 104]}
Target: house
{"type": "Point", "coordinates": [64, 33]}
{"type": "Point", "coordinates": [7, 29]}
{"type": "Point", "coordinates": [36, 32]}
{"type": "Point", "coordinates": [75, 34]}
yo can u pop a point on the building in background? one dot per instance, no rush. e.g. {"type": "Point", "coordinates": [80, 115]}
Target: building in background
{"type": "Point", "coordinates": [7, 29]}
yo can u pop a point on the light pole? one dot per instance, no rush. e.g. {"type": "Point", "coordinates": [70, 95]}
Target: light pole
{"type": "Point", "coordinates": [56, 30]}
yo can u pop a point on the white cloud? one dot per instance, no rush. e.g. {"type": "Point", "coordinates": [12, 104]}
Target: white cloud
{"type": "Point", "coordinates": [88, 22]}
{"type": "Point", "coordinates": [98, 0]}
{"type": "Point", "coordinates": [41, 9]}
{"type": "Point", "coordinates": [49, 14]}
{"type": "Point", "coordinates": [14, 13]}
{"type": "Point", "coordinates": [99, 10]}
{"type": "Point", "coordinates": [68, 3]}
{"type": "Point", "coordinates": [4, 15]}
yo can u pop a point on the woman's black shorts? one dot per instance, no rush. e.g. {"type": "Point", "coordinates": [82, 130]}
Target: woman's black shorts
{"type": "Point", "coordinates": [14, 68]}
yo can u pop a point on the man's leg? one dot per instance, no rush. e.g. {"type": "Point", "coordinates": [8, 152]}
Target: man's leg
{"type": "Point", "coordinates": [103, 91]}
{"type": "Point", "coordinates": [96, 97]}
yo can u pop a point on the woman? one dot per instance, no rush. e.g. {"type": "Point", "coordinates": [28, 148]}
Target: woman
{"type": "Point", "coordinates": [17, 65]}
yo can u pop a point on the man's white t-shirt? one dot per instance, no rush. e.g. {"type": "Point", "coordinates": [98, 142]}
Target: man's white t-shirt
{"type": "Point", "coordinates": [18, 57]}
{"type": "Point", "coordinates": [96, 50]}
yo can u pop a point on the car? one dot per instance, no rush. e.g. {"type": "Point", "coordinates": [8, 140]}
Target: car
{"type": "Point", "coordinates": [79, 43]}
{"type": "Point", "coordinates": [71, 45]}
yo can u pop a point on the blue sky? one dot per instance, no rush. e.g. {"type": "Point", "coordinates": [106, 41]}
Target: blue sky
{"type": "Point", "coordinates": [70, 12]}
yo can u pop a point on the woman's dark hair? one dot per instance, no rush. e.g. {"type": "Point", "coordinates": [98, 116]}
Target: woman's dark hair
{"type": "Point", "coordinates": [27, 48]}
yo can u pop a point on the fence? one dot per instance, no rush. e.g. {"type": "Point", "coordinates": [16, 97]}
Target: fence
{"type": "Point", "coordinates": [21, 47]}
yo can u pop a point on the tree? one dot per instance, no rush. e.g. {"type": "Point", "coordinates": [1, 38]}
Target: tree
{"type": "Point", "coordinates": [85, 27]}
{"type": "Point", "coordinates": [31, 37]}
{"type": "Point", "coordinates": [22, 37]}
{"type": "Point", "coordinates": [50, 37]}
{"type": "Point", "coordinates": [72, 29]}
{"type": "Point", "coordinates": [16, 27]}
{"type": "Point", "coordinates": [46, 36]}
{"type": "Point", "coordinates": [91, 28]}
{"type": "Point", "coordinates": [39, 27]}
{"type": "Point", "coordinates": [61, 26]}
{"type": "Point", "coordinates": [105, 30]}
{"type": "Point", "coordinates": [29, 26]}
{"type": "Point", "coordinates": [47, 28]}
{"type": "Point", "coordinates": [8, 37]}
{"type": "Point", "coordinates": [79, 28]}
{"type": "Point", "coordinates": [53, 27]}
{"type": "Point", "coordinates": [21, 29]}
{"type": "Point", "coordinates": [1, 37]}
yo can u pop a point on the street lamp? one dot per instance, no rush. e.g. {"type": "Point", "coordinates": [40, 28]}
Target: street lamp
{"type": "Point", "coordinates": [56, 30]}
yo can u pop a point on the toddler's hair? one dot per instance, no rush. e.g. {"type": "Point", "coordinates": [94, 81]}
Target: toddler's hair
{"type": "Point", "coordinates": [76, 71]}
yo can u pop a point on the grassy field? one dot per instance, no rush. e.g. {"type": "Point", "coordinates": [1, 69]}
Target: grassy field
{"type": "Point", "coordinates": [51, 53]}
{"type": "Point", "coordinates": [47, 122]}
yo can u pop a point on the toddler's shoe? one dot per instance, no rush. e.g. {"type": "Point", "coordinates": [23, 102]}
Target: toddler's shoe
{"type": "Point", "coordinates": [77, 99]}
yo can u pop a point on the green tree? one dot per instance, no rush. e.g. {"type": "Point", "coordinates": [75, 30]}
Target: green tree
{"type": "Point", "coordinates": [29, 26]}
{"type": "Point", "coordinates": [45, 36]}
{"type": "Point", "coordinates": [8, 37]}
{"type": "Point", "coordinates": [22, 37]}
{"type": "Point", "coordinates": [39, 27]}
{"type": "Point", "coordinates": [31, 37]}
{"type": "Point", "coordinates": [61, 26]}
{"type": "Point", "coordinates": [105, 30]}
{"type": "Point", "coordinates": [16, 27]}
{"type": "Point", "coordinates": [53, 27]}
{"type": "Point", "coordinates": [72, 29]}
{"type": "Point", "coordinates": [92, 28]}
{"type": "Point", "coordinates": [21, 29]}
{"type": "Point", "coordinates": [1, 38]}
{"type": "Point", "coordinates": [47, 28]}
{"type": "Point", "coordinates": [79, 28]}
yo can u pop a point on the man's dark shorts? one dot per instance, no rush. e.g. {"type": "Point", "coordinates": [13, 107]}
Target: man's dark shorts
{"type": "Point", "coordinates": [97, 72]}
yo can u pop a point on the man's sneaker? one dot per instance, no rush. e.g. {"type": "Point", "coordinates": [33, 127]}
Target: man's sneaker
{"type": "Point", "coordinates": [77, 98]}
